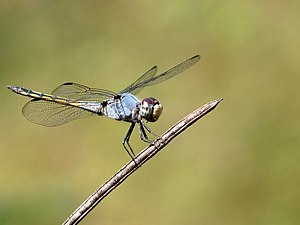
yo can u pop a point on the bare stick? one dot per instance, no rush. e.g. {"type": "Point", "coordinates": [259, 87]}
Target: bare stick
{"type": "Point", "coordinates": [140, 159]}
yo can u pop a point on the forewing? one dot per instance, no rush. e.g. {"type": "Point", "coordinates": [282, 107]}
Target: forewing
{"type": "Point", "coordinates": [52, 114]}
{"type": "Point", "coordinates": [162, 77]}
{"type": "Point", "coordinates": [148, 75]}
{"type": "Point", "coordinates": [80, 92]}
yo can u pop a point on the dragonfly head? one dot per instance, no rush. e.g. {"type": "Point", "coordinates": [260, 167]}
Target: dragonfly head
{"type": "Point", "coordinates": [150, 109]}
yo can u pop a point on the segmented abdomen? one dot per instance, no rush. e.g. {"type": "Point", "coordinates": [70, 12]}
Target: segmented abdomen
{"type": "Point", "coordinates": [92, 106]}
{"type": "Point", "coordinates": [39, 95]}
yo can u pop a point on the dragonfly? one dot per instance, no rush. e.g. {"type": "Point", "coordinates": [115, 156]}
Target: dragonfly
{"type": "Point", "coordinates": [71, 101]}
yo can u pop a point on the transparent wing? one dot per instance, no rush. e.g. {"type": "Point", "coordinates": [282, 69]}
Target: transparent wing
{"type": "Point", "coordinates": [148, 75]}
{"type": "Point", "coordinates": [80, 92]}
{"type": "Point", "coordinates": [52, 114]}
{"type": "Point", "coordinates": [151, 80]}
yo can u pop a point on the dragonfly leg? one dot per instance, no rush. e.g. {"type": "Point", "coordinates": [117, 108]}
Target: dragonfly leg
{"type": "Point", "coordinates": [148, 129]}
{"type": "Point", "coordinates": [143, 134]}
{"type": "Point", "coordinates": [126, 142]}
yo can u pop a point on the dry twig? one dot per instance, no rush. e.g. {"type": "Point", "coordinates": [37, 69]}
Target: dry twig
{"type": "Point", "coordinates": [140, 159]}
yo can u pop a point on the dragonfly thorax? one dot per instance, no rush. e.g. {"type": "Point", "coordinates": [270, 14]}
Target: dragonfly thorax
{"type": "Point", "coordinates": [150, 109]}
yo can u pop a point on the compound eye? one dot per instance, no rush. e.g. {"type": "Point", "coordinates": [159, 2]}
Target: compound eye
{"type": "Point", "coordinates": [157, 110]}
{"type": "Point", "coordinates": [151, 109]}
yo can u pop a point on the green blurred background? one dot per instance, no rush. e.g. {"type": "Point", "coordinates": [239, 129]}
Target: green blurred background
{"type": "Point", "coordinates": [238, 165]}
